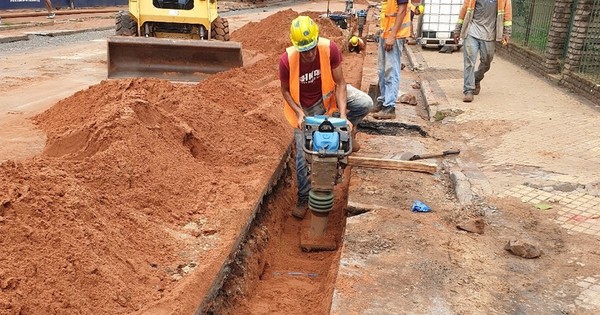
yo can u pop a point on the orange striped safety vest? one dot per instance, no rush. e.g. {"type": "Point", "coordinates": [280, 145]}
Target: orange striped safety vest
{"type": "Point", "coordinates": [327, 82]}
{"type": "Point", "coordinates": [389, 14]}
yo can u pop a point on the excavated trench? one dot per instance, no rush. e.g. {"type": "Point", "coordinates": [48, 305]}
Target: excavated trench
{"type": "Point", "coordinates": [268, 271]}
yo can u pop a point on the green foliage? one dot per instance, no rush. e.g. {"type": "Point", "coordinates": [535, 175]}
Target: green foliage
{"type": "Point", "coordinates": [531, 23]}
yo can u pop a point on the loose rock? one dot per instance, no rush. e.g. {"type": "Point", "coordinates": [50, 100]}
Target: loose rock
{"type": "Point", "coordinates": [523, 249]}
{"type": "Point", "coordinates": [408, 99]}
{"type": "Point", "coordinates": [475, 225]}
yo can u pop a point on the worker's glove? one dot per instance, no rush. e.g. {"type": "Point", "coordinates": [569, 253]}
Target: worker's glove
{"type": "Point", "coordinates": [506, 31]}
{"type": "Point", "coordinates": [505, 40]}
{"type": "Point", "coordinates": [457, 30]}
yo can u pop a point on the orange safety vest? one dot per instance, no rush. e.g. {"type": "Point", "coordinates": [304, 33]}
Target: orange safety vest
{"type": "Point", "coordinates": [327, 82]}
{"type": "Point", "coordinates": [389, 14]}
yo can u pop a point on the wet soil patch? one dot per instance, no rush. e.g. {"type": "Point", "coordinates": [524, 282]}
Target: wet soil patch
{"type": "Point", "coordinates": [390, 128]}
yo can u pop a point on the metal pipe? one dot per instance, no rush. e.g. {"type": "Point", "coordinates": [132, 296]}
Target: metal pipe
{"type": "Point", "coordinates": [330, 154]}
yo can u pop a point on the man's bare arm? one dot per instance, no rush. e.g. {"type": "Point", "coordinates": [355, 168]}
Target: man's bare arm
{"type": "Point", "coordinates": [287, 96]}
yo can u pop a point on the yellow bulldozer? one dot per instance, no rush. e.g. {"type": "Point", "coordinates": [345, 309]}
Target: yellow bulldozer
{"type": "Point", "coordinates": [177, 40]}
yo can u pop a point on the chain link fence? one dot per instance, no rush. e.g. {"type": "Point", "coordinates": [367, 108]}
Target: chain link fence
{"type": "Point", "coordinates": [531, 23]}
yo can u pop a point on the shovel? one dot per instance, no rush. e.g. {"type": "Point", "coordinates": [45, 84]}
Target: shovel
{"type": "Point", "coordinates": [409, 156]}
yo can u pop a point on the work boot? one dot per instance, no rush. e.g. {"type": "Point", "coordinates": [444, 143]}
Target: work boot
{"type": "Point", "coordinates": [468, 98]}
{"type": "Point", "coordinates": [477, 88]}
{"type": "Point", "coordinates": [300, 210]}
{"type": "Point", "coordinates": [377, 107]}
{"type": "Point", "coordinates": [388, 112]}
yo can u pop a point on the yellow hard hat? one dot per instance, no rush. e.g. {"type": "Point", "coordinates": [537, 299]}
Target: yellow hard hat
{"type": "Point", "coordinates": [421, 8]}
{"type": "Point", "coordinates": [354, 40]}
{"type": "Point", "coordinates": [304, 33]}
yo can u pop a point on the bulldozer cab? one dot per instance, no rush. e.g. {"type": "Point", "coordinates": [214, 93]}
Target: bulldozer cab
{"type": "Point", "coordinates": [174, 4]}
{"type": "Point", "coordinates": [178, 40]}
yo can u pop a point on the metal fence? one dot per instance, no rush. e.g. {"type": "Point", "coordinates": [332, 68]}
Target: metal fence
{"type": "Point", "coordinates": [589, 66]}
{"type": "Point", "coordinates": [531, 23]}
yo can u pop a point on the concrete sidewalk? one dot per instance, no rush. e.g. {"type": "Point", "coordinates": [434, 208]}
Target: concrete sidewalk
{"type": "Point", "coordinates": [523, 138]}
{"type": "Point", "coordinates": [540, 143]}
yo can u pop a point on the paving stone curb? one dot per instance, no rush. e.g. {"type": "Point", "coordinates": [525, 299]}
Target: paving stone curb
{"type": "Point", "coordinates": [468, 182]}
{"type": "Point", "coordinates": [461, 187]}
{"type": "Point", "coordinates": [56, 33]}
{"type": "Point", "coordinates": [20, 26]}
{"type": "Point", "coordinates": [10, 39]}
{"type": "Point", "coordinates": [426, 88]}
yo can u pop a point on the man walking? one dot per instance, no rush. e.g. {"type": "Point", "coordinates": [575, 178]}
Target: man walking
{"type": "Point", "coordinates": [49, 8]}
{"type": "Point", "coordinates": [480, 24]}
{"type": "Point", "coordinates": [312, 83]}
{"type": "Point", "coordinates": [395, 28]}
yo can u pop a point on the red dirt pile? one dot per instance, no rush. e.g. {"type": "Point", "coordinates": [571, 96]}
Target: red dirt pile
{"type": "Point", "coordinates": [142, 187]}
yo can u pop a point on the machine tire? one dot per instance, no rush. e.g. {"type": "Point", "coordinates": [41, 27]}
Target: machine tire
{"type": "Point", "coordinates": [220, 29]}
{"type": "Point", "coordinates": [125, 25]}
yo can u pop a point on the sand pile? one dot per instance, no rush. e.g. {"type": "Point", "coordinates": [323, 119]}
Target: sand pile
{"type": "Point", "coordinates": [142, 183]}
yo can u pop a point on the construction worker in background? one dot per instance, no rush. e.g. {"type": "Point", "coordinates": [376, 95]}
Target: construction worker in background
{"type": "Point", "coordinates": [356, 44]}
{"type": "Point", "coordinates": [395, 28]}
{"type": "Point", "coordinates": [481, 23]}
{"type": "Point", "coordinates": [312, 83]}
{"type": "Point", "coordinates": [48, 4]}
{"type": "Point", "coordinates": [415, 9]}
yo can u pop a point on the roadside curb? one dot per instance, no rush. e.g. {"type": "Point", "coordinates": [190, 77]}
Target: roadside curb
{"type": "Point", "coordinates": [9, 39]}
{"type": "Point", "coordinates": [9, 15]}
{"type": "Point", "coordinates": [23, 25]}
{"type": "Point", "coordinates": [431, 102]}
{"type": "Point", "coordinates": [461, 187]}
{"type": "Point", "coordinates": [56, 33]}
{"type": "Point", "coordinates": [468, 182]}
{"type": "Point", "coordinates": [426, 88]}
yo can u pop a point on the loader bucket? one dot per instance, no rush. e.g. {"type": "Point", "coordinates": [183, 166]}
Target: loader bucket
{"type": "Point", "coordinates": [171, 59]}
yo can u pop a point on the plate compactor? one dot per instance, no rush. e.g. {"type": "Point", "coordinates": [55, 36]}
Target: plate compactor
{"type": "Point", "coordinates": [327, 144]}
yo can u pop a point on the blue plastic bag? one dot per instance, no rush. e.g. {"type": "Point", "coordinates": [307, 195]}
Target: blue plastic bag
{"type": "Point", "coordinates": [419, 206]}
